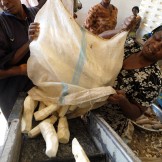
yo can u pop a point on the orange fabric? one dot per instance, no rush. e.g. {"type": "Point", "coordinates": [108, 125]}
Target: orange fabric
{"type": "Point", "coordinates": [100, 19]}
{"type": "Point", "coordinates": [136, 24]}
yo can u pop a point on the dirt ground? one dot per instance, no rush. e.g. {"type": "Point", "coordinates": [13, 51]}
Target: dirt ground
{"type": "Point", "coordinates": [147, 145]}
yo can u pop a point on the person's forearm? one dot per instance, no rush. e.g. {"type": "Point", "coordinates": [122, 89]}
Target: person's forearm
{"type": "Point", "coordinates": [130, 110]}
{"type": "Point", "coordinates": [126, 26]}
{"type": "Point", "coordinates": [109, 34]}
{"type": "Point", "coordinates": [20, 53]}
{"type": "Point", "coordinates": [14, 71]}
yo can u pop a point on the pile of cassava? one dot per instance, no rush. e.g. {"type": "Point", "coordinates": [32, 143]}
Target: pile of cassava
{"type": "Point", "coordinates": [47, 115]}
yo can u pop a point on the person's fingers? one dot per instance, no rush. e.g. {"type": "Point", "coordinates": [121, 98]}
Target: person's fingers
{"type": "Point", "coordinates": [112, 100]}
{"type": "Point", "coordinates": [34, 26]}
{"type": "Point", "coordinates": [120, 92]}
{"type": "Point", "coordinates": [33, 31]}
{"type": "Point", "coordinates": [32, 36]}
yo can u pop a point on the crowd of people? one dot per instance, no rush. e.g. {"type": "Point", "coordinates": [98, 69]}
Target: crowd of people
{"type": "Point", "coordinates": [137, 84]}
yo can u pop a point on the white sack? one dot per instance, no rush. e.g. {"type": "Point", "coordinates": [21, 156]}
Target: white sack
{"type": "Point", "coordinates": [67, 59]}
{"type": "Point", "coordinates": [30, 3]}
{"type": "Point", "coordinates": [69, 4]}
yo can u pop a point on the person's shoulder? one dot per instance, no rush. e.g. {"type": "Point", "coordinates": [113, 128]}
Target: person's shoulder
{"type": "Point", "coordinates": [114, 8]}
{"type": "Point", "coordinates": [139, 17]}
{"type": "Point", "coordinates": [5, 26]}
{"type": "Point", "coordinates": [30, 9]}
{"type": "Point", "coordinates": [96, 6]}
{"type": "Point", "coordinates": [2, 14]}
{"type": "Point", "coordinates": [4, 18]}
{"type": "Point", "coordinates": [33, 9]}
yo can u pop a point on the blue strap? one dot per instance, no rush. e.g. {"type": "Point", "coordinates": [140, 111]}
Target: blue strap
{"type": "Point", "coordinates": [64, 92]}
{"type": "Point", "coordinates": [81, 60]}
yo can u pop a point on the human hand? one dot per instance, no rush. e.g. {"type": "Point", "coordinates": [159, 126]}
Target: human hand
{"type": "Point", "coordinates": [128, 23]}
{"type": "Point", "coordinates": [117, 98]}
{"type": "Point", "coordinates": [33, 31]}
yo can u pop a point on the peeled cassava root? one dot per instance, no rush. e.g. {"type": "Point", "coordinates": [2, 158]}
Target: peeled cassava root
{"type": "Point", "coordinates": [149, 120]}
{"type": "Point", "coordinates": [63, 132]}
{"type": "Point", "coordinates": [44, 113]}
{"type": "Point", "coordinates": [41, 106]}
{"type": "Point", "coordinates": [78, 152]}
{"type": "Point", "coordinates": [63, 110]}
{"type": "Point", "coordinates": [50, 137]}
{"type": "Point", "coordinates": [29, 107]}
{"type": "Point", "coordinates": [47, 129]}
{"type": "Point", "coordinates": [36, 130]}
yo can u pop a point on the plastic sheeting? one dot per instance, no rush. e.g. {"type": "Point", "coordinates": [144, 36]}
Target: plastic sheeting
{"type": "Point", "coordinates": [30, 3]}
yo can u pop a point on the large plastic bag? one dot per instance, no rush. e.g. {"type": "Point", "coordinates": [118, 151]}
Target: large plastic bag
{"type": "Point", "coordinates": [69, 65]}
{"type": "Point", "coordinates": [30, 3]}
{"type": "Point", "coordinates": [69, 5]}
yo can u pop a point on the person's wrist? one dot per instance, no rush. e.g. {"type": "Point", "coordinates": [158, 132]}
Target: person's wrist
{"type": "Point", "coordinates": [23, 69]}
{"type": "Point", "coordinates": [123, 101]}
{"type": "Point", "coordinates": [16, 70]}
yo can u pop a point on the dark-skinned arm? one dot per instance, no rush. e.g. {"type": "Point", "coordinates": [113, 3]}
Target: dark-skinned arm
{"type": "Point", "coordinates": [24, 49]}
{"type": "Point", "coordinates": [20, 53]}
{"type": "Point", "coordinates": [131, 110]}
{"type": "Point", "coordinates": [8, 61]}
{"type": "Point", "coordinates": [14, 71]}
{"type": "Point", "coordinates": [110, 33]}
{"type": "Point", "coordinates": [127, 25]}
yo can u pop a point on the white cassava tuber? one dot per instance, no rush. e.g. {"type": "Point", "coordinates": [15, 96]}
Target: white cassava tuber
{"type": "Point", "coordinates": [63, 110]}
{"type": "Point", "coordinates": [41, 106]}
{"type": "Point", "coordinates": [29, 107]}
{"type": "Point", "coordinates": [50, 137]}
{"type": "Point", "coordinates": [63, 132]}
{"type": "Point", "coordinates": [44, 113]}
{"type": "Point", "coordinates": [73, 107]}
{"type": "Point", "coordinates": [36, 130]}
{"type": "Point", "coordinates": [78, 152]}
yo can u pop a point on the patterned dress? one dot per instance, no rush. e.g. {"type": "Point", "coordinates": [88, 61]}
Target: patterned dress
{"type": "Point", "coordinates": [100, 19]}
{"type": "Point", "coordinates": [141, 85]}
{"type": "Point", "coordinates": [135, 27]}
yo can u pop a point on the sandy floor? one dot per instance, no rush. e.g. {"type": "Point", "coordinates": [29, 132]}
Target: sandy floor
{"type": "Point", "coordinates": [147, 144]}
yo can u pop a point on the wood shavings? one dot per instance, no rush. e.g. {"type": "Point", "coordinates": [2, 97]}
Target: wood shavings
{"type": "Point", "coordinates": [146, 144]}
